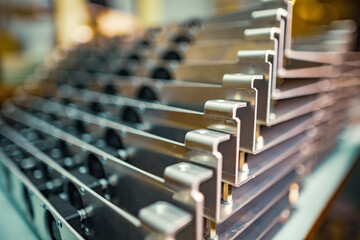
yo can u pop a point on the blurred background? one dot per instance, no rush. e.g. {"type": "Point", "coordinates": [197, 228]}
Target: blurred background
{"type": "Point", "coordinates": [31, 29]}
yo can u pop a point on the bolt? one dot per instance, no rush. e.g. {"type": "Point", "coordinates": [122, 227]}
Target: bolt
{"type": "Point", "coordinates": [87, 231]}
{"type": "Point", "coordinates": [58, 223]}
{"type": "Point", "coordinates": [107, 197]}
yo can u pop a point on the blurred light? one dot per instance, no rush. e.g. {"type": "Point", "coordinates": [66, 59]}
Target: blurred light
{"type": "Point", "coordinates": [82, 34]}
{"type": "Point", "coordinates": [59, 54]}
{"type": "Point", "coordinates": [311, 11]}
{"type": "Point", "coordinates": [112, 23]}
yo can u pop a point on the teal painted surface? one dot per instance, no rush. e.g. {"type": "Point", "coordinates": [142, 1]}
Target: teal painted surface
{"type": "Point", "coordinates": [12, 226]}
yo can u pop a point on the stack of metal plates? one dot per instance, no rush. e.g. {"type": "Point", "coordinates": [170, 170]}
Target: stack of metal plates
{"type": "Point", "coordinates": [201, 129]}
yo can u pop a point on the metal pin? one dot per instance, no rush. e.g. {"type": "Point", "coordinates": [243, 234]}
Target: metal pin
{"type": "Point", "coordinates": [227, 193]}
{"type": "Point", "coordinates": [82, 214]}
{"type": "Point", "coordinates": [259, 138]}
{"type": "Point", "coordinates": [259, 143]}
{"type": "Point", "coordinates": [210, 230]}
{"type": "Point", "coordinates": [294, 190]}
{"type": "Point", "coordinates": [241, 160]}
{"type": "Point", "coordinates": [258, 133]}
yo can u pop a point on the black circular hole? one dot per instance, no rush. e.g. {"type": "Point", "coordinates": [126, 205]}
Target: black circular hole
{"type": "Point", "coordinates": [161, 73]}
{"type": "Point", "coordinates": [66, 101]}
{"type": "Point", "coordinates": [110, 89]}
{"type": "Point", "coordinates": [123, 72]}
{"type": "Point", "coordinates": [65, 151]}
{"type": "Point", "coordinates": [95, 107]}
{"type": "Point", "coordinates": [74, 196]}
{"type": "Point", "coordinates": [130, 115]}
{"type": "Point", "coordinates": [144, 44]}
{"type": "Point", "coordinates": [146, 93]}
{"type": "Point", "coordinates": [172, 55]}
{"type": "Point", "coordinates": [53, 117]}
{"type": "Point", "coordinates": [79, 85]}
{"type": "Point", "coordinates": [134, 57]}
{"type": "Point", "coordinates": [113, 140]}
{"type": "Point", "coordinates": [181, 39]}
{"type": "Point", "coordinates": [28, 204]}
{"type": "Point", "coordinates": [53, 230]}
{"type": "Point", "coordinates": [90, 70]}
{"type": "Point", "coordinates": [42, 167]}
{"type": "Point", "coordinates": [95, 167]}
{"type": "Point", "coordinates": [80, 127]}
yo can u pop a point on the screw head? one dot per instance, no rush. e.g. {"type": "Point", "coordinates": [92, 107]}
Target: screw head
{"type": "Point", "coordinates": [58, 223]}
{"type": "Point", "coordinates": [87, 231]}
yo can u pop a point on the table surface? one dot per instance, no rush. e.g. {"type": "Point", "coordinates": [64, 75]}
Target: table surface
{"type": "Point", "coordinates": [319, 187]}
